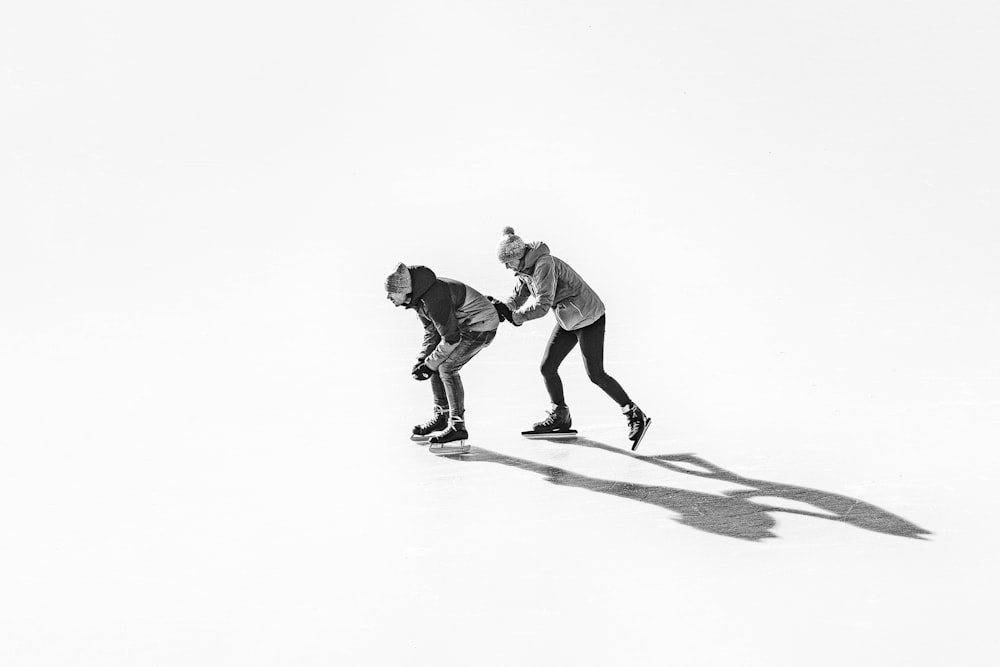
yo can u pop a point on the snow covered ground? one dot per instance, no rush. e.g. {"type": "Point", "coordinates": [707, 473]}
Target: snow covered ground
{"type": "Point", "coordinates": [790, 211]}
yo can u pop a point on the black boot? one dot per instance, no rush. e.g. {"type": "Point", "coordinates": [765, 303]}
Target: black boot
{"type": "Point", "coordinates": [638, 423]}
{"type": "Point", "coordinates": [558, 419]}
{"type": "Point", "coordinates": [439, 422]}
{"type": "Point", "coordinates": [452, 440]}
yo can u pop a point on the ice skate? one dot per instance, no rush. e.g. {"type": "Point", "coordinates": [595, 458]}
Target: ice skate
{"type": "Point", "coordinates": [451, 441]}
{"type": "Point", "coordinates": [557, 424]}
{"type": "Point", "coordinates": [638, 424]}
{"type": "Point", "coordinates": [423, 432]}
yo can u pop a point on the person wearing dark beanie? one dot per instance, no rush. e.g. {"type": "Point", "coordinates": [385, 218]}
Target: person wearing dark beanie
{"type": "Point", "coordinates": [458, 323]}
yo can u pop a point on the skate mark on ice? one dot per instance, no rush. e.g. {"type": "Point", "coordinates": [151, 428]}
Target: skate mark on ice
{"type": "Point", "coordinates": [732, 514]}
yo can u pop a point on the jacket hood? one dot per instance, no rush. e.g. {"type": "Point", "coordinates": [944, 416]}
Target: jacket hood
{"type": "Point", "coordinates": [421, 278]}
{"type": "Point", "coordinates": [535, 252]}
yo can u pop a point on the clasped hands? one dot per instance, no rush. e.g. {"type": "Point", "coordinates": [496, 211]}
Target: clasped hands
{"type": "Point", "coordinates": [503, 312]}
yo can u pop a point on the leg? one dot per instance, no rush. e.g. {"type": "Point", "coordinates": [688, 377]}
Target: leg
{"type": "Point", "coordinates": [440, 395]}
{"type": "Point", "coordinates": [455, 391]}
{"type": "Point", "coordinates": [472, 343]}
{"type": "Point", "coordinates": [561, 342]}
{"type": "Point", "coordinates": [452, 439]}
{"type": "Point", "coordinates": [439, 422]}
{"type": "Point", "coordinates": [592, 347]}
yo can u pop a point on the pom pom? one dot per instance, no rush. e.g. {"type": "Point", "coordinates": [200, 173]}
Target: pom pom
{"type": "Point", "coordinates": [508, 231]}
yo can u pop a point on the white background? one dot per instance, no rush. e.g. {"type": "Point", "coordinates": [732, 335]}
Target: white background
{"type": "Point", "coordinates": [789, 209]}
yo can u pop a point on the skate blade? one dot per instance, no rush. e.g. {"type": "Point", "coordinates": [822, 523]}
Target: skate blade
{"type": "Point", "coordinates": [451, 451]}
{"type": "Point", "coordinates": [535, 435]}
{"type": "Point", "coordinates": [645, 430]}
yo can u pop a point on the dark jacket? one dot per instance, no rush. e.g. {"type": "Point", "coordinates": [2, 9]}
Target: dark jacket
{"type": "Point", "coordinates": [446, 308]}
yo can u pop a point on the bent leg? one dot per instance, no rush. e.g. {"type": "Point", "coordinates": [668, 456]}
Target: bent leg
{"type": "Point", "coordinates": [471, 344]}
{"type": "Point", "coordinates": [561, 342]}
{"type": "Point", "coordinates": [592, 347]}
{"type": "Point", "coordinates": [455, 391]}
{"type": "Point", "coordinates": [438, 389]}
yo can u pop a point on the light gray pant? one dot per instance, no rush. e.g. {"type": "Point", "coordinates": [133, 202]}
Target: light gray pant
{"type": "Point", "coordinates": [446, 383]}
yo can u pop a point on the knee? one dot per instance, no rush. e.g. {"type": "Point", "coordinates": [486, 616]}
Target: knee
{"type": "Point", "coordinates": [596, 375]}
{"type": "Point", "coordinates": [548, 370]}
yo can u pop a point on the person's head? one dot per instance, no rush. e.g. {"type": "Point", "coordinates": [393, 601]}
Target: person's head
{"type": "Point", "coordinates": [511, 249]}
{"type": "Point", "coordinates": [398, 286]}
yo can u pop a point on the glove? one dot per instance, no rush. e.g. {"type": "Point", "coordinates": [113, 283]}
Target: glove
{"type": "Point", "coordinates": [503, 312]}
{"type": "Point", "coordinates": [421, 372]}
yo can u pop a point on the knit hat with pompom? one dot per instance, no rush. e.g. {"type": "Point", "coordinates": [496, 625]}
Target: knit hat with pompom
{"type": "Point", "coordinates": [399, 281]}
{"type": "Point", "coordinates": [511, 246]}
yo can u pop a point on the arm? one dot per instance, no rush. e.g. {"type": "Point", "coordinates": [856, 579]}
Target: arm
{"type": "Point", "coordinates": [520, 295]}
{"type": "Point", "coordinates": [441, 314]}
{"type": "Point", "coordinates": [545, 292]}
{"type": "Point", "coordinates": [431, 339]}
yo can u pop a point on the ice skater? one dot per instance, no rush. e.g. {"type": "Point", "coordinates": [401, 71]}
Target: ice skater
{"type": "Point", "coordinates": [580, 319]}
{"type": "Point", "coordinates": [458, 323]}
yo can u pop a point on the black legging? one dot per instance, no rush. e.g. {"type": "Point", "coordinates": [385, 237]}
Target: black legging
{"type": "Point", "coordinates": [591, 339]}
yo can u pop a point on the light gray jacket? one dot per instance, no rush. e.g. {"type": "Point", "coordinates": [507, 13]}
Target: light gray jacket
{"type": "Point", "coordinates": [556, 286]}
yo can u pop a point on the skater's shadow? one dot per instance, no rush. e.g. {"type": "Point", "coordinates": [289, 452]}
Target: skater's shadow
{"type": "Point", "coordinates": [733, 513]}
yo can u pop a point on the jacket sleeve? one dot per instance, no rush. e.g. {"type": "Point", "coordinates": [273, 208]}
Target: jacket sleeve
{"type": "Point", "coordinates": [441, 313]}
{"type": "Point", "coordinates": [545, 292]}
{"type": "Point", "coordinates": [431, 338]}
{"type": "Point", "coordinates": [519, 297]}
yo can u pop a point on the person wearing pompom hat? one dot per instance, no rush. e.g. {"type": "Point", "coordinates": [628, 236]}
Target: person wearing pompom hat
{"type": "Point", "coordinates": [458, 323]}
{"type": "Point", "coordinates": [580, 318]}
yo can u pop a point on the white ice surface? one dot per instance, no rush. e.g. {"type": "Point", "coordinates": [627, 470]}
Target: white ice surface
{"type": "Point", "coordinates": [790, 211]}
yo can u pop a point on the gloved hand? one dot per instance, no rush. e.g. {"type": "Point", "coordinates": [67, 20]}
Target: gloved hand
{"type": "Point", "coordinates": [421, 372]}
{"type": "Point", "coordinates": [502, 311]}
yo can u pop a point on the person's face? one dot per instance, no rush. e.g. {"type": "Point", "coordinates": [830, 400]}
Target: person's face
{"type": "Point", "coordinates": [397, 298]}
{"type": "Point", "coordinates": [514, 264]}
